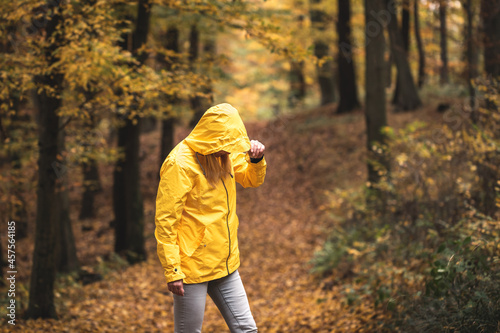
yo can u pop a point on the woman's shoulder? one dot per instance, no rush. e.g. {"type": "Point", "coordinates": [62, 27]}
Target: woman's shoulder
{"type": "Point", "coordinates": [183, 156]}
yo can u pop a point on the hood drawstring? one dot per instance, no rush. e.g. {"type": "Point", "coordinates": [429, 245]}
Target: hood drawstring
{"type": "Point", "coordinates": [204, 174]}
{"type": "Point", "coordinates": [199, 163]}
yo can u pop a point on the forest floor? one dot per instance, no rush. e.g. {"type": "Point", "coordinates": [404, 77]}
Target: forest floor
{"type": "Point", "coordinates": [282, 224]}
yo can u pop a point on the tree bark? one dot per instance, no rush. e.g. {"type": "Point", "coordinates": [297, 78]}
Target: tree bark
{"type": "Point", "coordinates": [319, 20]}
{"type": "Point", "coordinates": [297, 77]}
{"type": "Point", "coordinates": [347, 77]}
{"type": "Point", "coordinates": [375, 104]}
{"type": "Point", "coordinates": [199, 104]}
{"type": "Point", "coordinates": [127, 197]}
{"type": "Point", "coordinates": [92, 186]}
{"type": "Point", "coordinates": [471, 64]}
{"type": "Point", "coordinates": [405, 33]}
{"type": "Point", "coordinates": [67, 260]}
{"type": "Point", "coordinates": [443, 4]}
{"type": "Point", "coordinates": [490, 17]}
{"type": "Point", "coordinates": [297, 83]}
{"type": "Point", "coordinates": [405, 25]}
{"type": "Point", "coordinates": [91, 181]}
{"type": "Point", "coordinates": [420, 45]}
{"type": "Point", "coordinates": [127, 203]}
{"type": "Point", "coordinates": [43, 273]}
{"type": "Point", "coordinates": [167, 125]}
{"type": "Point", "coordinates": [407, 96]}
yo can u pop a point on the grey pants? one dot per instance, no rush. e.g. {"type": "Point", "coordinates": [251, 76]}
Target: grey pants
{"type": "Point", "coordinates": [227, 293]}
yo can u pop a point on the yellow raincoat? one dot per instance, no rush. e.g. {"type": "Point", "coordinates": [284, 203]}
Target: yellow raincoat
{"type": "Point", "coordinates": [196, 224]}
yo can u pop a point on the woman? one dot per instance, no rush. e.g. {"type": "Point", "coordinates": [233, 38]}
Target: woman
{"type": "Point", "coordinates": [196, 222]}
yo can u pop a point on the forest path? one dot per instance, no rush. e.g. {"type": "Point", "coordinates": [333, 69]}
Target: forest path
{"type": "Point", "coordinates": [282, 224]}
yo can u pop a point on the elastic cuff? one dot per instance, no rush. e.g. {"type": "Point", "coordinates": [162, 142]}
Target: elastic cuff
{"type": "Point", "coordinates": [174, 277]}
{"type": "Point", "coordinates": [256, 160]}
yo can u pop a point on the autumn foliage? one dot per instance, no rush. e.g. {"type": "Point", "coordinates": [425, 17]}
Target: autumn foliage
{"type": "Point", "coordinates": [415, 249]}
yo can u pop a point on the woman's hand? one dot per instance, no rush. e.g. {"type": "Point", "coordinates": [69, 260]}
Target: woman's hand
{"type": "Point", "coordinates": [176, 287]}
{"type": "Point", "coordinates": [257, 149]}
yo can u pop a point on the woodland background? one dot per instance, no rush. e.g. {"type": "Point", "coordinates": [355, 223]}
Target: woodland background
{"type": "Point", "coordinates": [380, 210]}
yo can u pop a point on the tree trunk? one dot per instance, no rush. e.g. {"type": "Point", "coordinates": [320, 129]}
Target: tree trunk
{"type": "Point", "coordinates": [407, 96]}
{"type": "Point", "coordinates": [490, 15]}
{"type": "Point", "coordinates": [196, 101]}
{"type": "Point", "coordinates": [297, 83]}
{"type": "Point", "coordinates": [167, 125]}
{"type": "Point", "coordinates": [375, 104]}
{"type": "Point", "coordinates": [91, 181]}
{"type": "Point", "coordinates": [199, 104]}
{"type": "Point", "coordinates": [43, 273]}
{"type": "Point", "coordinates": [127, 203]}
{"type": "Point", "coordinates": [405, 25]}
{"type": "Point", "coordinates": [405, 33]}
{"type": "Point", "coordinates": [443, 4]}
{"type": "Point", "coordinates": [420, 45]}
{"type": "Point", "coordinates": [127, 197]}
{"type": "Point", "coordinates": [67, 260]}
{"type": "Point", "coordinates": [297, 77]}
{"type": "Point", "coordinates": [319, 20]}
{"type": "Point", "coordinates": [347, 77]}
{"type": "Point", "coordinates": [471, 64]}
{"type": "Point", "coordinates": [92, 185]}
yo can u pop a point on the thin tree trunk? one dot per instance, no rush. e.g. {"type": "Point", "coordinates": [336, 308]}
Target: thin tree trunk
{"type": "Point", "coordinates": [407, 96]}
{"type": "Point", "coordinates": [405, 25]}
{"type": "Point", "coordinates": [319, 20]}
{"type": "Point", "coordinates": [127, 197]}
{"type": "Point", "coordinates": [405, 33]}
{"type": "Point", "coordinates": [194, 47]}
{"type": "Point", "coordinates": [91, 181]}
{"type": "Point", "coordinates": [297, 77]}
{"type": "Point", "coordinates": [471, 65]}
{"type": "Point", "coordinates": [443, 4]}
{"type": "Point", "coordinates": [128, 206]}
{"type": "Point", "coordinates": [92, 185]}
{"type": "Point", "coordinates": [490, 15]}
{"type": "Point", "coordinates": [43, 273]}
{"type": "Point", "coordinates": [67, 260]}
{"type": "Point", "coordinates": [297, 83]}
{"type": "Point", "coordinates": [199, 104]}
{"type": "Point", "coordinates": [347, 77]}
{"type": "Point", "coordinates": [420, 45]}
{"type": "Point", "coordinates": [167, 125]}
{"type": "Point", "coordinates": [375, 104]}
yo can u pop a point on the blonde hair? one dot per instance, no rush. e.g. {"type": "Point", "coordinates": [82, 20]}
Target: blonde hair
{"type": "Point", "coordinates": [215, 168]}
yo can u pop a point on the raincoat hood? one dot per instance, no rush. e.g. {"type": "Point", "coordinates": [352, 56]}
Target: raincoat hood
{"type": "Point", "coordinates": [220, 128]}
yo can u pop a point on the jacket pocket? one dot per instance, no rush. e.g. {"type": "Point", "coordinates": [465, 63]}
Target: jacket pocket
{"type": "Point", "coordinates": [188, 247]}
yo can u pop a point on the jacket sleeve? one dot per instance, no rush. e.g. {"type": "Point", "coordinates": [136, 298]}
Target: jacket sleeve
{"type": "Point", "coordinates": [246, 173]}
{"type": "Point", "coordinates": [173, 189]}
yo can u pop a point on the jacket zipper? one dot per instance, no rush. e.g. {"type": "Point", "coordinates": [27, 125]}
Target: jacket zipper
{"type": "Point", "coordinates": [227, 223]}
